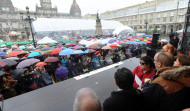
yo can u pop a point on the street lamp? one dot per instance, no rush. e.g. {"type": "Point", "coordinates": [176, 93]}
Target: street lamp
{"type": "Point", "coordinates": [146, 22]}
{"type": "Point", "coordinates": [30, 20]}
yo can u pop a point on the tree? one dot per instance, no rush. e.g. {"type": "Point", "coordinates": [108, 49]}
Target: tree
{"type": "Point", "coordinates": [155, 30]}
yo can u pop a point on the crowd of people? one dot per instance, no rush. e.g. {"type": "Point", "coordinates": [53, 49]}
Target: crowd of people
{"type": "Point", "coordinates": [158, 84]}
{"type": "Point", "coordinates": [33, 77]}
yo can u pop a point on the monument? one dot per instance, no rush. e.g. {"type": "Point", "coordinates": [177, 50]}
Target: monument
{"type": "Point", "coordinates": [98, 26]}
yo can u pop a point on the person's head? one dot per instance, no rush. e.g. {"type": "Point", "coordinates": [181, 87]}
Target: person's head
{"type": "Point", "coordinates": [26, 72]}
{"type": "Point", "coordinates": [169, 48]}
{"type": "Point", "coordinates": [86, 100]}
{"type": "Point", "coordinates": [182, 60]}
{"type": "Point", "coordinates": [163, 59]}
{"type": "Point", "coordinates": [146, 63]}
{"type": "Point", "coordinates": [124, 79]}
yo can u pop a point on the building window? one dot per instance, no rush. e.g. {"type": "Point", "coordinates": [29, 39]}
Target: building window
{"type": "Point", "coordinates": [131, 17]}
{"type": "Point", "coordinates": [151, 15]}
{"type": "Point", "coordinates": [131, 22]}
{"type": "Point", "coordinates": [150, 21]}
{"type": "Point", "coordinates": [164, 20]}
{"type": "Point", "coordinates": [181, 12]}
{"type": "Point", "coordinates": [172, 14]}
{"type": "Point", "coordinates": [141, 16]}
{"type": "Point", "coordinates": [171, 19]}
{"type": "Point", "coordinates": [165, 14]}
{"type": "Point", "coordinates": [158, 20]}
{"type": "Point", "coordinates": [140, 21]}
{"type": "Point", "coordinates": [181, 19]}
{"type": "Point", "coordinates": [135, 16]}
{"type": "Point", "coordinates": [158, 16]}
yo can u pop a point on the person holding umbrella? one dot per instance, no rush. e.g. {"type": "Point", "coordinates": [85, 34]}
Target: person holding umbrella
{"type": "Point", "coordinates": [61, 72]}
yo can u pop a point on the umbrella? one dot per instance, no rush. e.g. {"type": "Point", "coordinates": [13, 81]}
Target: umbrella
{"type": "Point", "coordinates": [34, 54]}
{"type": "Point", "coordinates": [30, 49]}
{"type": "Point", "coordinates": [27, 62]}
{"type": "Point", "coordinates": [22, 47]}
{"type": "Point", "coordinates": [112, 41]}
{"type": "Point", "coordinates": [60, 46]}
{"type": "Point", "coordinates": [13, 58]}
{"type": "Point", "coordinates": [9, 62]}
{"type": "Point", "coordinates": [142, 42]}
{"type": "Point", "coordinates": [106, 47]}
{"type": "Point", "coordinates": [2, 64]}
{"type": "Point", "coordinates": [66, 52]}
{"type": "Point", "coordinates": [148, 42]}
{"type": "Point", "coordinates": [2, 73]}
{"type": "Point", "coordinates": [16, 72]}
{"type": "Point", "coordinates": [40, 64]}
{"type": "Point", "coordinates": [14, 53]}
{"type": "Point", "coordinates": [137, 40]}
{"type": "Point", "coordinates": [80, 47]}
{"type": "Point", "coordinates": [45, 49]}
{"type": "Point", "coordinates": [78, 52]}
{"type": "Point", "coordinates": [3, 54]}
{"type": "Point", "coordinates": [51, 59]}
{"type": "Point", "coordinates": [150, 39]}
{"type": "Point", "coordinates": [113, 45]}
{"type": "Point", "coordinates": [56, 51]}
{"type": "Point", "coordinates": [140, 38]}
{"type": "Point", "coordinates": [87, 51]}
{"type": "Point", "coordinates": [130, 42]}
{"type": "Point", "coordinates": [102, 45]}
{"type": "Point", "coordinates": [94, 46]}
{"type": "Point", "coordinates": [61, 72]}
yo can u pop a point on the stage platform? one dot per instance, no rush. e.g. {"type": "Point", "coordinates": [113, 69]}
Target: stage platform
{"type": "Point", "coordinates": [60, 96]}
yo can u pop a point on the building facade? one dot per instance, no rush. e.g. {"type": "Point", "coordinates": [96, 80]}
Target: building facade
{"type": "Point", "coordinates": [166, 16]}
{"type": "Point", "coordinates": [10, 16]}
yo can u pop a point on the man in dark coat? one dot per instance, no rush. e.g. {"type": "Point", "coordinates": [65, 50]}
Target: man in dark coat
{"type": "Point", "coordinates": [126, 98]}
{"type": "Point", "coordinates": [167, 90]}
{"type": "Point", "coordinates": [174, 40]}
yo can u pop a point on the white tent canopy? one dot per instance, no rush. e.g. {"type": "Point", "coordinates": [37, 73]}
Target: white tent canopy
{"type": "Point", "coordinates": [46, 40]}
{"type": "Point", "coordinates": [122, 28]}
{"type": "Point", "coordinates": [54, 24]}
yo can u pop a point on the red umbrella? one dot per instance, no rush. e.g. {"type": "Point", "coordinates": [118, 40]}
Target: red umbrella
{"type": "Point", "coordinates": [148, 42]}
{"type": "Point", "coordinates": [51, 59]}
{"type": "Point", "coordinates": [40, 64]}
{"type": "Point", "coordinates": [140, 38]}
{"type": "Point", "coordinates": [2, 64]}
{"type": "Point", "coordinates": [113, 45]}
{"type": "Point", "coordinates": [14, 53]}
{"type": "Point", "coordinates": [55, 51]}
{"type": "Point", "coordinates": [149, 39]}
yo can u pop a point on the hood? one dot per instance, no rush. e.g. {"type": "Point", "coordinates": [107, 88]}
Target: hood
{"type": "Point", "coordinates": [181, 74]}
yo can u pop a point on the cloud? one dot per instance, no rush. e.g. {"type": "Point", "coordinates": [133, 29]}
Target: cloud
{"type": "Point", "coordinates": [87, 6]}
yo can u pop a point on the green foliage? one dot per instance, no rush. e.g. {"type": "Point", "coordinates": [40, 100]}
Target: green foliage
{"type": "Point", "coordinates": [155, 30]}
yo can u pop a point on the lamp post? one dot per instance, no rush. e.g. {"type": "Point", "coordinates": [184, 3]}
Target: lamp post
{"type": "Point", "coordinates": [30, 20]}
{"type": "Point", "coordinates": [146, 22]}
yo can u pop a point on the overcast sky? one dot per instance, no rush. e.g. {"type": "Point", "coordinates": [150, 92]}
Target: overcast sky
{"type": "Point", "coordinates": [87, 6]}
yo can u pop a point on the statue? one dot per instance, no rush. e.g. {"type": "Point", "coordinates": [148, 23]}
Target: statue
{"type": "Point", "coordinates": [97, 18]}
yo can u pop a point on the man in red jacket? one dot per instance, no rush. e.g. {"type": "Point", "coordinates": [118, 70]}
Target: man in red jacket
{"type": "Point", "coordinates": [144, 72]}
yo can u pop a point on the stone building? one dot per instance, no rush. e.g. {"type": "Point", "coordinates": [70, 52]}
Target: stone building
{"type": "Point", "coordinates": [166, 16]}
{"type": "Point", "coordinates": [10, 15]}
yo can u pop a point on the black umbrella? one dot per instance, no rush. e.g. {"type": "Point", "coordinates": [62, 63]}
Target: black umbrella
{"type": "Point", "coordinates": [16, 72]}
{"type": "Point", "coordinates": [9, 61]}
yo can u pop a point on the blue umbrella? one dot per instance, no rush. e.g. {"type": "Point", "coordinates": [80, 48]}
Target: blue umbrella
{"type": "Point", "coordinates": [3, 54]}
{"type": "Point", "coordinates": [61, 72]}
{"type": "Point", "coordinates": [78, 52]}
{"type": "Point", "coordinates": [142, 42]}
{"type": "Point", "coordinates": [66, 52]}
{"type": "Point", "coordinates": [34, 54]}
{"type": "Point", "coordinates": [74, 37]}
{"type": "Point", "coordinates": [86, 51]}
{"type": "Point", "coordinates": [112, 41]}
{"type": "Point", "coordinates": [130, 42]}
{"type": "Point", "coordinates": [22, 47]}
{"type": "Point", "coordinates": [137, 40]}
